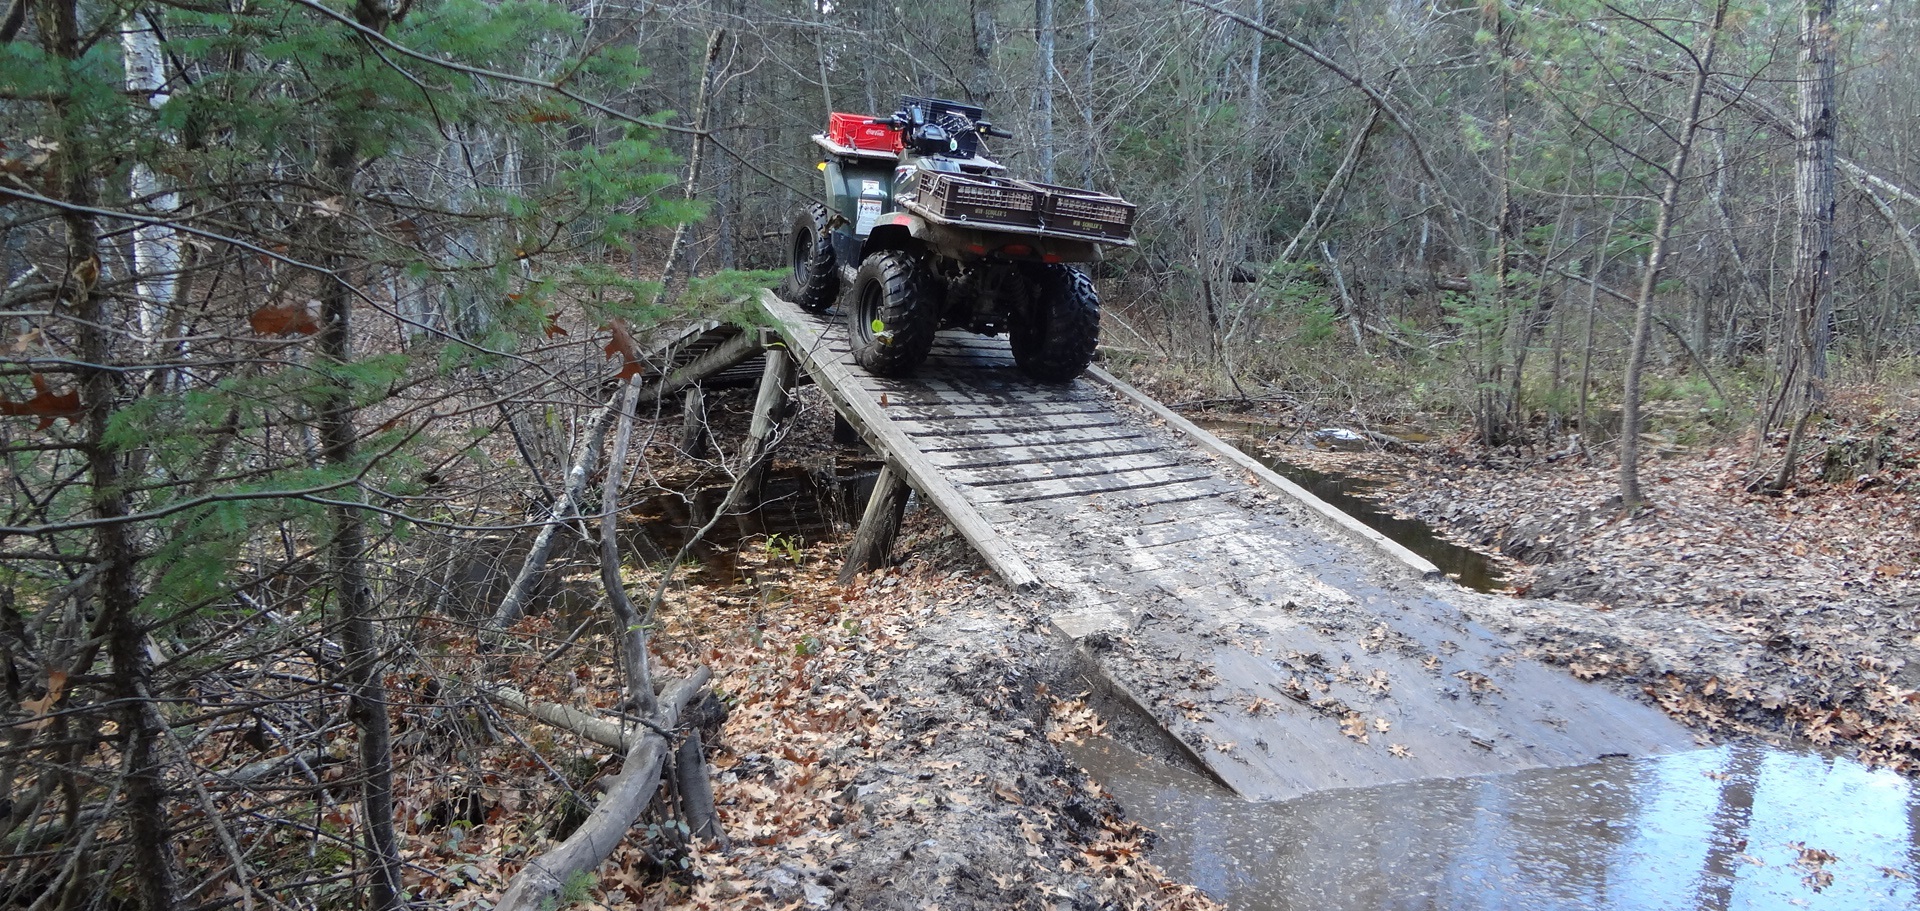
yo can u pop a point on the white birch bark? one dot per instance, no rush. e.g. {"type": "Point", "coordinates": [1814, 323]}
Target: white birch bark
{"type": "Point", "coordinates": [156, 248]}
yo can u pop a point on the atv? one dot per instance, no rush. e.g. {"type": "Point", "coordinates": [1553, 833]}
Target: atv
{"type": "Point", "coordinates": [921, 232]}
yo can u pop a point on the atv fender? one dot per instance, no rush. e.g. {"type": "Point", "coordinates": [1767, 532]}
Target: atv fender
{"type": "Point", "coordinates": [894, 231]}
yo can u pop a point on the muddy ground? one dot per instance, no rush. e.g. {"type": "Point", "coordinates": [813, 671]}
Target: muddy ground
{"type": "Point", "coordinates": [1788, 617]}
{"type": "Point", "coordinates": [889, 744]}
{"type": "Point", "coordinates": [893, 743]}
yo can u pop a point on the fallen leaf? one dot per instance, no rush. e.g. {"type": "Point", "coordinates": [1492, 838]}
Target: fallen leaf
{"type": "Point", "coordinates": [37, 709]}
{"type": "Point", "coordinates": [46, 405]}
{"type": "Point", "coordinates": [285, 319]}
{"type": "Point", "coordinates": [623, 345]}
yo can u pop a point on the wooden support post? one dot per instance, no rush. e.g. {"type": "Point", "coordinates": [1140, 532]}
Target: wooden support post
{"type": "Point", "coordinates": [844, 433]}
{"type": "Point", "coordinates": [693, 424]}
{"type": "Point", "coordinates": [873, 541]}
{"type": "Point", "coordinates": [769, 409]}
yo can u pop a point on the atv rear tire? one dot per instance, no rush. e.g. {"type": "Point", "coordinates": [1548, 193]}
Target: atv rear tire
{"type": "Point", "coordinates": [1054, 335]}
{"type": "Point", "coordinates": [814, 283]}
{"type": "Point", "coordinates": [893, 311]}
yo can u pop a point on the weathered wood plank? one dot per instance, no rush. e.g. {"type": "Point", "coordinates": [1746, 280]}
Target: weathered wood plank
{"type": "Point", "coordinates": [1094, 485]}
{"type": "Point", "coordinates": [1268, 477]}
{"type": "Point", "coordinates": [1030, 473]}
{"type": "Point", "coordinates": [936, 440]}
{"type": "Point", "coordinates": [935, 393]}
{"type": "Point", "coordinates": [939, 413]}
{"type": "Point", "coordinates": [1015, 424]}
{"type": "Point", "coordinates": [1043, 454]}
{"type": "Point", "coordinates": [871, 420]}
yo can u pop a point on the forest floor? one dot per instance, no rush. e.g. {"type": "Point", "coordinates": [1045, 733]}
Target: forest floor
{"type": "Point", "coordinates": [888, 744]}
{"type": "Point", "coordinates": [893, 743]}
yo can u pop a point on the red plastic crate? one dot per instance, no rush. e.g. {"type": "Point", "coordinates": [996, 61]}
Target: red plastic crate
{"type": "Point", "coordinates": [854, 130]}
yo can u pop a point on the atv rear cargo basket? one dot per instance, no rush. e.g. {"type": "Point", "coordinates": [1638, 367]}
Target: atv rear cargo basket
{"type": "Point", "coordinates": [1086, 212]}
{"type": "Point", "coordinates": [980, 200]}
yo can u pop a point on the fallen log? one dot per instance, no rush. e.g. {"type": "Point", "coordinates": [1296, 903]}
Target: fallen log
{"type": "Point", "coordinates": [542, 882]}
{"type": "Point", "coordinates": [606, 733]}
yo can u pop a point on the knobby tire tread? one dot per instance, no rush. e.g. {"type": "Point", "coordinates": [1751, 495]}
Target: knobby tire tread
{"type": "Point", "coordinates": [814, 282]}
{"type": "Point", "coordinates": [907, 305]}
{"type": "Point", "coordinates": [1054, 340]}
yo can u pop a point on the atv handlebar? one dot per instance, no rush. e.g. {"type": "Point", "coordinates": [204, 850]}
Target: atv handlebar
{"type": "Point", "coordinates": [902, 120]}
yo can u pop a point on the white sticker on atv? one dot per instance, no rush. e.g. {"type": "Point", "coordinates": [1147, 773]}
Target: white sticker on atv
{"type": "Point", "coordinates": [871, 188]}
{"type": "Point", "coordinates": [869, 213]}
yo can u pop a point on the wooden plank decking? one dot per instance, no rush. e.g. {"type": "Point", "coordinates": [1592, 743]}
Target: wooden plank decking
{"type": "Point", "coordinates": [1287, 647]}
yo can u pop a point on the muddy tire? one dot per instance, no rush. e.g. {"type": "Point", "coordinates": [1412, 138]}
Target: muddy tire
{"type": "Point", "coordinates": [1054, 335]}
{"type": "Point", "coordinates": [893, 309]}
{"type": "Point", "coordinates": [813, 283]}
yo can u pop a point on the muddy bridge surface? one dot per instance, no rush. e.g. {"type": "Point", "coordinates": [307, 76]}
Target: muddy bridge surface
{"type": "Point", "coordinates": [1285, 646]}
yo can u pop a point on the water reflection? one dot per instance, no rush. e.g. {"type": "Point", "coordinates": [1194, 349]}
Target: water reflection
{"type": "Point", "coordinates": [1737, 827]}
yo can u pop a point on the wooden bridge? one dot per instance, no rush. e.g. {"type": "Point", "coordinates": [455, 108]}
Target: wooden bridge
{"type": "Point", "coordinates": [1287, 647]}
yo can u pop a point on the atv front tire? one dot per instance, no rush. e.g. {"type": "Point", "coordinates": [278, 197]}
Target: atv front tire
{"type": "Point", "coordinates": [814, 283]}
{"type": "Point", "coordinates": [892, 313]}
{"type": "Point", "coordinates": [1054, 335]}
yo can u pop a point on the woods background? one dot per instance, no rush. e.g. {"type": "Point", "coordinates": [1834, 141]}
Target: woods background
{"type": "Point", "coordinates": [307, 311]}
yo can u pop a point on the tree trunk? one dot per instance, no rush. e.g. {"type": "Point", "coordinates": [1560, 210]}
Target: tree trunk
{"type": "Point", "coordinates": [631, 633]}
{"type": "Point", "coordinates": [677, 248]}
{"type": "Point", "coordinates": [116, 552]}
{"type": "Point", "coordinates": [1813, 191]}
{"type": "Point", "coordinates": [1810, 292]}
{"type": "Point", "coordinates": [156, 249]}
{"type": "Point", "coordinates": [1092, 138]}
{"type": "Point", "coordinates": [1631, 496]}
{"type": "Point", "coordinates": [346, 549]}
{"type": "Point", "coordinates": [1044, 33]}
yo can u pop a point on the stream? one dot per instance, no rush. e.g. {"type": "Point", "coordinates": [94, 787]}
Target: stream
{"type": "Point", "coordinates": [1735, 827]}
{"type": "Point", "coordinates": [1356, 497]}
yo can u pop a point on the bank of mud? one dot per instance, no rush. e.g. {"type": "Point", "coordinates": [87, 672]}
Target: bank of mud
{"type": "Point", "coordinates": [1789, 618]}
{"type": "Point", "coordinates": [892, 744]}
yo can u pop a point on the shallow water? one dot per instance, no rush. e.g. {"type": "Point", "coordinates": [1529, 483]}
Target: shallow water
{"type": "Point", "coordinates": [1710, 829]}
{"type": "Point", "coordinates": [1351, 496]}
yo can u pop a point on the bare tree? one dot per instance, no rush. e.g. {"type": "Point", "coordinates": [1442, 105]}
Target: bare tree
{"type": "Point", "coordinates": [1631, 495]}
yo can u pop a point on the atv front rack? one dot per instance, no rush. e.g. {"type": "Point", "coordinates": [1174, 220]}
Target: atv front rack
{"type": "Point", "coordinates": [1021, 206]}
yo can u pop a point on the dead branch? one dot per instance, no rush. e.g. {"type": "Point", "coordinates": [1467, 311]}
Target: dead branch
{"type": "Point", "coordinates": [608, 734]}
{"type": "Point", "coordinates": [630, 631]}
{"type": "Point", "coordinates": [514, 604]}
{"type": "Point", "coordinates": [543, 881]}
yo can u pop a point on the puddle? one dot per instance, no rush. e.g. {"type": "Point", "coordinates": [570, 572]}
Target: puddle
{"type": "Point", "coordinates": [1710, 829]}
{"type": "Point", "coordinates": [1352, 496]}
